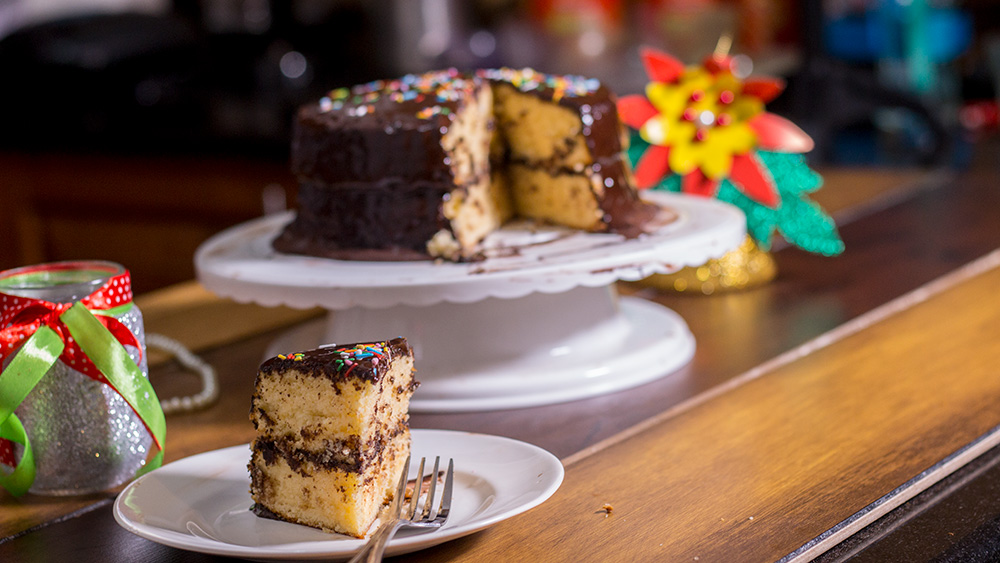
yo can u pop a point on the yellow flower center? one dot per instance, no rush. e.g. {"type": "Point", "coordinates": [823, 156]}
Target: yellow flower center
{"type": "Point", "coordinates": [703, 119]}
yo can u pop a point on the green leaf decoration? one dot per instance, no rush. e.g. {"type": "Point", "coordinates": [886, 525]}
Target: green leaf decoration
{"type": "Point", "coordinates": [798, 219]}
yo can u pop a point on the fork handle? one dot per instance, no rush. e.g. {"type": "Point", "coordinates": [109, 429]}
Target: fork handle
{"type": "Point", "coordinates": [374, 548]}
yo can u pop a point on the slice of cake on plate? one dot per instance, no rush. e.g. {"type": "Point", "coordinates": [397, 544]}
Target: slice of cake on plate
{"type": "Point", "coordinates": [332, 434]}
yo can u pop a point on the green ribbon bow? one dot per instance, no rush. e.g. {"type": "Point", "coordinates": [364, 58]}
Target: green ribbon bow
{"type": "Point", "coordinates": [39, 352]}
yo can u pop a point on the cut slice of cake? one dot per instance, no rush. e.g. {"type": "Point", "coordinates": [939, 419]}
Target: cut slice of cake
{"type": "Point", "coordinates": [566, 162]}
{"type": "Point", "coordinates": [332, 434]}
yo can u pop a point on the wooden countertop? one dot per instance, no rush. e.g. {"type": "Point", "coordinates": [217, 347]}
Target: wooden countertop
{"type": "Point", "coordinates": [758, 468]}
{"type": "Point", "coordinates": [813, 404]}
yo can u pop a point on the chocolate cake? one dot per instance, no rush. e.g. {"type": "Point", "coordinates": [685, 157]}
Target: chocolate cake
{"type": "Point", "coordinates": [428, 165]}
{"type": "Point", "coordinates": [332, 434]}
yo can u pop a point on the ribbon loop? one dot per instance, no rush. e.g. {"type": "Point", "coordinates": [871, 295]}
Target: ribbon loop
{"type": "Point", "coordinates": [19, 481]}
{"type": "Point", "coordinates": [39, 352]}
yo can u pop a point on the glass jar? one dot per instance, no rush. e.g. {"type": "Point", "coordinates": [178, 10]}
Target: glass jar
{"type": "Point", "coordinates": [85, 437]}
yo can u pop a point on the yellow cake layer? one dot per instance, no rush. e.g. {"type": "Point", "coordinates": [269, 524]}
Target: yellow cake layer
{"type": "Point", "coordinates": [562, 199]}
{"type": "Point", "coordinates": [481, 203]}
{"type": "Point", "coordinates": [307, 409]}
{"type": "Point", "coordinates": [475, 213]}
{"type": "Point", "coordinates": [467, 140]}
{"type": "Point", "coordinates": [540, 131]}
{"type": "Point", "coordinates": [331, 499]}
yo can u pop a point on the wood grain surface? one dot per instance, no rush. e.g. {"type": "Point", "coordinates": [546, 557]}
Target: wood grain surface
{"type": "Point", "coordinates": [762, 468]}
{"type": "Point", "coordinates": [710, 430]}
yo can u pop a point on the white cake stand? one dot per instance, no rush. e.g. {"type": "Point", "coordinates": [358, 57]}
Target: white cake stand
{"type": "Point", "coordinates": [537, 322]}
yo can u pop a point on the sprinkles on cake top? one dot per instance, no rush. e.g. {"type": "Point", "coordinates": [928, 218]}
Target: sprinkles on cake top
{"type": "Point", "coordinates": [528, 79]}
{"type": "Point", "coordinates": [448, 85]}
{"type": "Point", "coordinates": [443, 86]}
{"type": "Point", "coordinates": [350, 356]}
{"type": "Point", "coordinates": [296, 357]}
{"type": "Point", "coordinates": [362, 360]}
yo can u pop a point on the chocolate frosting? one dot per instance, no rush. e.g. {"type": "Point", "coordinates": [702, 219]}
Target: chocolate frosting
{"type": "Point", "coordinates": [366, 361]}
{"type": "Point", "coordinates": [372, 172]}
{"type": "Point", "coordinates": [381, 131]}
{"type": "Point", "coordinates": [390, 219]}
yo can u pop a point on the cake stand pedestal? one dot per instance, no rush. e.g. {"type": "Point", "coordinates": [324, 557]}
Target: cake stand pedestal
{"type": "Point", "coordinates": [538, 322]}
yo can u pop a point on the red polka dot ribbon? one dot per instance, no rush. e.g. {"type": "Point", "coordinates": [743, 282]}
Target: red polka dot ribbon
{"type": "Point", "coordinates": [20, 317]}
{"type": "Point", "coordinates": [7, 452]}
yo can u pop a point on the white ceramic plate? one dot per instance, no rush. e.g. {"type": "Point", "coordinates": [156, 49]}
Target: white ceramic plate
{"type": "Point", "coordinates": [202, 503]}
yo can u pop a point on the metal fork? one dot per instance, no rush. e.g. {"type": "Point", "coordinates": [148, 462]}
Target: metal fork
{"type": "Point", "coordinates": [429, 517]}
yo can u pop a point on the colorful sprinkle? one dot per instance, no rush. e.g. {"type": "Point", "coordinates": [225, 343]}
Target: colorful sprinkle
{"type": "Point", "coordinates": [350, 356]}
{"type": "Point", "coordinates": [444, 86]}
{"type": "Point", "coordinates": [447, 86]}
{"type": "Point", "coordinates": [431, 111]}
{"type": "Point", "coordinates": [528, 79]}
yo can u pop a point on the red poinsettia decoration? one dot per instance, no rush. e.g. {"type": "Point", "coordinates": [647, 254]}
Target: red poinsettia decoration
{"type": "Point", "coordinates": [705, 123]}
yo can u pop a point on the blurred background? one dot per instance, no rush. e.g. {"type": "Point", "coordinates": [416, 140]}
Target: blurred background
{"type": "Point", "coordinates": [132, 130]}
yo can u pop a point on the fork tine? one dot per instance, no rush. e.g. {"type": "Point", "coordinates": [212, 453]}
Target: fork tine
{"type": "Point", "coordinates": [429, 512]}
{"type": "Point", "coordinates": [449, 480]}
{"type": "Point", "coordinates": [397, 501]}
{"type": "Point", "coordinates": [417, 488]}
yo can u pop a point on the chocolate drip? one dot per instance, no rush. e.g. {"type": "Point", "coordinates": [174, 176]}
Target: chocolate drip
{"type": "Point", "coordinates": [624, 214]}
{"type": "Point", "coordinates": [264, 512]}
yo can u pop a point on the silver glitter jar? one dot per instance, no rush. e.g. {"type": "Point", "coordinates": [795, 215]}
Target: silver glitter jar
{"type": "Point", "coordinates": [85, 437]}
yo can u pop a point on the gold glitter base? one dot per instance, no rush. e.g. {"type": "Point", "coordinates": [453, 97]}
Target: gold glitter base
{"type": "Point", "coordinates": [745, 267]}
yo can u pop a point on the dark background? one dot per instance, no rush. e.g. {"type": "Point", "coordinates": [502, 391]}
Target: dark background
{"type": "Point", "coordinates": [135, 133]}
